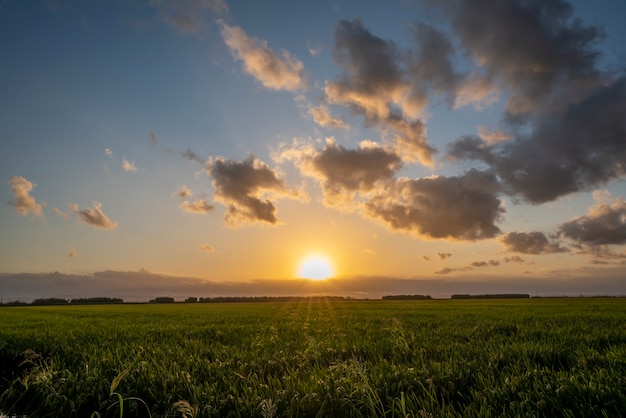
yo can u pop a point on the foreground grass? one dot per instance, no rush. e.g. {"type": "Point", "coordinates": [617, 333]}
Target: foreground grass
{"type": "Point", "coordinates": [355, 358]}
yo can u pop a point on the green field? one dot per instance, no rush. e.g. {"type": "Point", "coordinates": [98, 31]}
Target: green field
{"type": "Point", "coordinates": [537, 357]}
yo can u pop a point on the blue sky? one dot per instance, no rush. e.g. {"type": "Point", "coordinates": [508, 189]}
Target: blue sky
{"type": "Point", "coordinates": [226, 141]}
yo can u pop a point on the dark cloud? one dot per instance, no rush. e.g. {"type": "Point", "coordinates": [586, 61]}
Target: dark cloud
{"type": "Point", "coordinates": [344, 172]}
{"type": "Point", "coordinates": [514, 259]}
{"type": "Point", "coordinates": [432, 64]}
{"type": "Point", "coordinates": [377, 82]}
{"type": "Point", "coordinates": [604, 224]}
{"type": "Point", "coordinates": [443, 256]}
{"type": "Point", "coordinates": [242, 184]}
{"type": "Point", "coordinates": [22, 201]}
{"type": "Point", "coordinates": [534, 49]}
{"type": "Point", "coordinates": [531, 243]}
{"type": "Point", "coordinates": [93, 216]}
{"type": "Point", "coordinates": [584, 149]}
{"type": "Point", "coordinates": [564, 115]}
{"type": "Point", "coordinates": [459, 208]}
{"type": "Point", "coordinates": [491, 263]}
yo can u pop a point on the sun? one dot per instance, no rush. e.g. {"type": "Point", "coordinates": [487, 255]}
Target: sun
{"type": "Point", "coordinates": [315, 267]}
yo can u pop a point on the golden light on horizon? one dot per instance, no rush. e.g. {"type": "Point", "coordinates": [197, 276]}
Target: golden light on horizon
{"type": "Point", "coordinates": [315, 267]}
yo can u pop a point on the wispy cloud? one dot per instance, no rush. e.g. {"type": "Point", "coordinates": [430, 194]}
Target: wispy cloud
{"type": "Point", "coordinates": [184, 192]}
{"type": "Point", "coordinates": [207, 249]}
{"type": "Point", "coordinates": [271, 70]}
{"type": "Point", "coordinates": [153, 138]}
{"type": "Point", "coordinates": [191, 156]}
{"type": "Point", "coordinates": [321, 115]}
{"type": "Point", "coordinates": [188, 16]}
{"type": "Point", "coordinates": [128, 165]}
{"type": "Point", "coordinates": [60, 213]}
{"type": "Point", "coordinates": [200, 206]}
{"type": "Point", "coordinates": [93, 216]}
{"type": "Point", "coordinates": [23, 201]}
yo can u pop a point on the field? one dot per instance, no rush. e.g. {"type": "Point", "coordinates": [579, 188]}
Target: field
{"type": "Point", "coordinates": [537, 357]}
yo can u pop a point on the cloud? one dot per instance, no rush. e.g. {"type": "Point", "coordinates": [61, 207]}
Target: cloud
{"type": "Point", "coordinates": [241, 185]}
{"type": "Point", "coordinates": [491, 263]}
{"type": "Point", "coordinates": [188, 16]}
{"type": "Point", "coordinates": [259, 61]}
{"type": "Point", "coordinates": [376, 82]}
{"type": "Point", "coordinates": [564, 114]}
{"type": "Point", "coordinates": [184, 192]}
{"type": "Point", "coordinates": [530, 243]}
{"type": "Point", "coordinates": [200, 207]}
{"type": "Point", "coordinates": [153, 138]}
{"type": "Point", "coordinates": [60, 213]}
{"type": "Point", "coordinates": [603, 224]}
{"type": "Point", "coordinates": [321, 115]}
{"type": "Point", "coordinates": [128, 165]}
{"type": "Point", "coordinates": [22, 201]}
{"type": "Point", "coordinates": [369, 251]}
{"type": "Point", "coordinates": [492, 137]}
{"type": "Point", "coordinates": [374, 77]}
{"type": "Point", "coordinates": [534, 49]}
{"type": "Point", "coordinates": [191, 156]}
{"type": "Point", "coordinates": [206, 249]}
{"type": "Point", "coordinates": [443, 256]}
{"type": "Point", "coordinates": [94, 216]}
{"type": "Point", "coordinates": [459, 208]}
{"type": "Point", "coordinates": [343, 173]}
{"type": "Point", "coordinates": [558, 156]}
{"type": "Point", "coordinates": [109, 153]}
{"type": "Point", "coordinates": [72, 253]}
{"type": "Point", "coordinates": [448, 270]}
{"type": "Point", "coordinates": [514, 259]}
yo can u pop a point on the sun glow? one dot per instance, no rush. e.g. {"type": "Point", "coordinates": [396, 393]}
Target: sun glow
{"type": "Point", "coordinates": [315, 267]}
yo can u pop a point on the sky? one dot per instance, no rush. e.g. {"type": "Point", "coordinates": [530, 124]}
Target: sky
{"type": "Point", "coordinates": [210, 147]}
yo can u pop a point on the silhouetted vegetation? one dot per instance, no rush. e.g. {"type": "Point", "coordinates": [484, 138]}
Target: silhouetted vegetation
{"type": "Point", "coordinates": [407, 297]}
{"type": "Point", "coordinates": [15, 303]}
{"type": "Point", "coordinates": [96, 301]}
{"type": "Point", "coordinates": [493, 296]}
{"type": "Point", "coordinates": [232, 299]}
{"type": "Point", "coordinates": [50, 301]}
{"type": "Point", "coordinates": [191, 300]}
{"type": "Point", "coordinates": [162, 299]}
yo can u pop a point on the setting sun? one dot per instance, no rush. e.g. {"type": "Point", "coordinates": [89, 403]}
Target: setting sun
{"type": "Point", "coordinates": [315, 267]}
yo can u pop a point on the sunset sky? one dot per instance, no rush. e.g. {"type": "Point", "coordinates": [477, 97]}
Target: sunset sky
{"type": "Point", "coordinates": [205, 147]}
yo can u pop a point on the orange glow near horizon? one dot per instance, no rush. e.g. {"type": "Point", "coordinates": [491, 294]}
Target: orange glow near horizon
{"type": "Point", "coordinates": [315, 267]}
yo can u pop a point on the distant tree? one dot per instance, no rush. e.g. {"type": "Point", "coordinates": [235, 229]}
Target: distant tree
{"type": "Point", "coordinates": [407, 297]}
{"type": "Point", "coordinates": [162, 299]}
{"type": "Point", "coordinates": [493, 296]}
{"type": "Point", "coordinates": [191, 300]}
{"type": "Point", "coordinates": [95, 301]}
{"type": "Point", "coordinates": [50, 301]}
{"type": "Point", "coordinates": [15, 303]}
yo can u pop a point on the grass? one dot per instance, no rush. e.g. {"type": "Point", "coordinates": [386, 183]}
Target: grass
{"type": "Point", "coordinates": [539, 357]}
